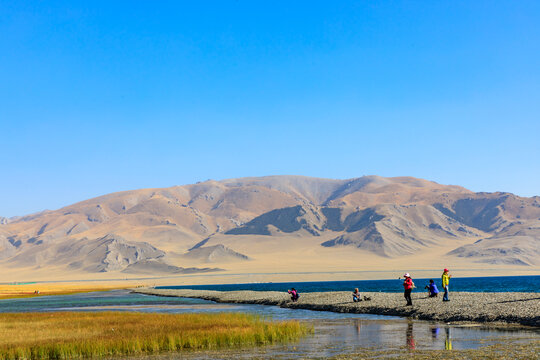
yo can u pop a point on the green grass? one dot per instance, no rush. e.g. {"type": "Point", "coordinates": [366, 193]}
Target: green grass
{"type": "Point", "coordinates": [67, 335]}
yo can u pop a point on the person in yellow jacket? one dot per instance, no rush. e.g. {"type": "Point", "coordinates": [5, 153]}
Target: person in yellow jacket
{"type": "Point", "coordinates": [445, 283]}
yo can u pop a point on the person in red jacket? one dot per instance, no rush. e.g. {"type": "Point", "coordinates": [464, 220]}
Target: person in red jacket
{"type": "Point", "coordinates": [408, 284]}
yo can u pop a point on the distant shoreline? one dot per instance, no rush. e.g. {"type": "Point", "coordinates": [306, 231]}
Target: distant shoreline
{"type": "Point", "coordinates": [237, 277]}
{"type": "Point", "coordinates": [484, 308]}
{"type": "Point", "coordinates": [305, 283]}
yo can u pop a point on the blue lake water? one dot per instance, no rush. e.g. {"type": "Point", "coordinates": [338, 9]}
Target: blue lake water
{"type": "Point", "coordinates": [123, 300]}
{"type": "Point", "coordinates": [472, 284]}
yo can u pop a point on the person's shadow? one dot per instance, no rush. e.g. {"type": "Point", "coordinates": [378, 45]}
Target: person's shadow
{"type": "Point", "coordinates": [517, 300]}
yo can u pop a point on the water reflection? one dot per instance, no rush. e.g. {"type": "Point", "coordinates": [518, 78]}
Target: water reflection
{"type": "Point", "coordinates": [349, 336]}
{"type": "Point", "coordinates": [411, 344]}
{"type": "Point", "coordinates": [448, 340]}
{"type": "Point", "coordinates": [397, 334]}
{"type": "Point", "coordinates": [358, 327]}
{"type": "Point", "coordinates": [416, 335]}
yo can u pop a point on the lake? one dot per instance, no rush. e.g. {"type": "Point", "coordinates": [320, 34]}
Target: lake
{"type": "Point", "coordinates": [469, 284]}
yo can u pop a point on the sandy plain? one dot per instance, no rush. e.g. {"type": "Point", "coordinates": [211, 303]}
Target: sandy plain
{"type": "Point", "coordinates": [275, 259]}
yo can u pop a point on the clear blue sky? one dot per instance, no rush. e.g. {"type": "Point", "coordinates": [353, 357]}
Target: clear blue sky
{"type": "Point", "coordinates": [103, 96]}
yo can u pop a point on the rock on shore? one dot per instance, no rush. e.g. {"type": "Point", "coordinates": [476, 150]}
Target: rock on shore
{"type": "Point", "coordinates": [511, 308]}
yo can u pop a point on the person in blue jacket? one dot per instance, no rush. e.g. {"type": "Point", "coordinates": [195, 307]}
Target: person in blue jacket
{"type": "Point", "coordinates": [432, 288]}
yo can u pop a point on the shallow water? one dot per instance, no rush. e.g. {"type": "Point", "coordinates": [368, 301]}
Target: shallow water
{"type": "Point", "coordinates": [354, 335]}
{"type": "Point", "coordinates": [334, 333]}
{"type": "Point", "coordinates": [122, 300]}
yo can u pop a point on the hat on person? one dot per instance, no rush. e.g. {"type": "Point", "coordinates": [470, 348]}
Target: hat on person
{"type": "Point", "coordinates": [445, 270]}
{"type": "Point", "coordinates": [407, 275]}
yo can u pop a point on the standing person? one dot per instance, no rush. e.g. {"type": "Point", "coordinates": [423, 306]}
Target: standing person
{"type": "Point", "coordinates": [408, 284]}
{"type": "Point", "coordinates": [445, 282]}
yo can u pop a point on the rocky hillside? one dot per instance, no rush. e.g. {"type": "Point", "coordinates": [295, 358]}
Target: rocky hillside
{"type": "Point", "coordinates": [157, 230]}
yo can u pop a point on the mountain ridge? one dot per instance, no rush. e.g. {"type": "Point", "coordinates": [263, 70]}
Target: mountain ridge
{"type": "Point", "coordinates": [388, 217]}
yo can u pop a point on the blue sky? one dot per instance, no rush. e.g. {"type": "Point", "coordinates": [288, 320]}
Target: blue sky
{"type": "Point", "coordinates": [101, 96]}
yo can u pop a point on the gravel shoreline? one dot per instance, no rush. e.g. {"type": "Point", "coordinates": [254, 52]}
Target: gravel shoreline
{"type": "Point", "coordinates": [485, 308]}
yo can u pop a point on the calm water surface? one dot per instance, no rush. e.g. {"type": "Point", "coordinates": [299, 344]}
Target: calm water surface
{"type": "Point", "coordinates": [469, 284]}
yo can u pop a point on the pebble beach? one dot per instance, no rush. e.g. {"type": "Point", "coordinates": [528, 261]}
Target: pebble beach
{"type": "Point", "coordinates": [473, 307]}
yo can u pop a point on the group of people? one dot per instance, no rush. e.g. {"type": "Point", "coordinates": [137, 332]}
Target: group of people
{"type": "Point", "coordinates": [408, 285]}
{"type": "Point", "coordinates": [356, 295]}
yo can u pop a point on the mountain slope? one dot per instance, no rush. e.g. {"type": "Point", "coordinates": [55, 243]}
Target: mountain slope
{"type": "Point", "coordinates": [387, 217]}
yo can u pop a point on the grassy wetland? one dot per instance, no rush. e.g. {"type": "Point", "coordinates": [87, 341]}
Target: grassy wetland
{"type": "Point", "coordinates": [66, 335]}
{"type": "Point", "coordinates": [30, 290]}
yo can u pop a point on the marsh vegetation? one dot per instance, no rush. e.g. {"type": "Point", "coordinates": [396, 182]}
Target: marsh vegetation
{"type": "Point", "coordinates": [65, 335]}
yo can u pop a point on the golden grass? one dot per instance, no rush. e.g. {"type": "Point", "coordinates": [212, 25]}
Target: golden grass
{"type": "Point", "coordinates": [66, 335]}
{"type": "Point", "coordinates": [18, 295]}
{"type": "Point", "coordinates": [29, 290]}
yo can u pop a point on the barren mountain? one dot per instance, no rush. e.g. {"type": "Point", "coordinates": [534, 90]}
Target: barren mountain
{"type": "Point", "coordinates": [517, 243]}
{"type": "Point", "coordinates": [216, 253]}
{"type": "Point", "coordinates": [228, 222]}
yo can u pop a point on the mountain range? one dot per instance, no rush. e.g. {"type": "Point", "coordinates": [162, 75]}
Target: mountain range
{"type": "Point", "coordinates": [252, 224]}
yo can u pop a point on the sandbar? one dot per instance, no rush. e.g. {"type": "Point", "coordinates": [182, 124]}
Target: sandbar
{"type": "Point", "coordinates": [495, 309]}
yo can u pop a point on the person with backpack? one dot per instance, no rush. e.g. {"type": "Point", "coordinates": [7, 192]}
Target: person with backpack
{"type": "Point", "coordinates": [408, 284]}
{"type": "Point", "coordinates": [294, 294]}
